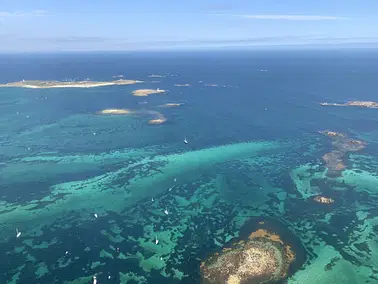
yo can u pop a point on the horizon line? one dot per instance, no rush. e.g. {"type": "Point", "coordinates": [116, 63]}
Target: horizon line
{"type": "Point", "coordinates": [285, 17]}
{"type": "Point", "coordinates": [288, 47]}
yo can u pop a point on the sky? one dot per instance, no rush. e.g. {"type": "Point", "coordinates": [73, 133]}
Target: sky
{"type": "Point", "coordinates": [122, 25]}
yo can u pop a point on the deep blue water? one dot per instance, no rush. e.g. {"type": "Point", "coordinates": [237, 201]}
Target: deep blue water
{"type": "Point", "coordinates": [248, 104]}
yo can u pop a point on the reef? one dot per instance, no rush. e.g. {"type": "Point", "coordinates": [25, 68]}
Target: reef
{"type": "Point", "coordinates": [366, 104]}
{"type": "Point", "coordinates": [36, 84]}
{"type": "Point", "coordinates": [341, 146]}
{"type": "Point", "coordinates": [147, 92]}
{"type": "Point", "coordinates": [261, 258]}
{"type": "Point", "coordinates": [323, 199]}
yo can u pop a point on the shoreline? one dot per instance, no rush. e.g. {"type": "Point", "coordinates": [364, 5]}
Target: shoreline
{"type": "Point", "coordinates": [59, 84]}
{"type": "Point", "coordinates": [365, 104]}
{"type": "Point", "coordinates": [147, 92]}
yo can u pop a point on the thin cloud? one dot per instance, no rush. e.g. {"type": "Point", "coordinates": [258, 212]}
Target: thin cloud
{"type": "Point", "coordinates": [286, 17]}
{"type": "Point", "coordinates": [34, 13]}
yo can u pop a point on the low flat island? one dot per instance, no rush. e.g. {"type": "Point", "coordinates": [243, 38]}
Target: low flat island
{"type": "Point", "coordinates": [183, 85]}
{"type": "Point", "coordinates": [116, 111]}
{"type": "Point", "coordinates": [36, 84]}
{"type": "Point", "coordinates": [147, 92]}
{"type": "Point", "coordinates": [171, 105]}
{"type": "Point", "coordinates": [367, 104]}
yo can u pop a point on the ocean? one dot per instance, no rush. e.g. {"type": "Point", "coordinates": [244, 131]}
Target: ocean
{"type": "Point", "coordinates": [115, 197]}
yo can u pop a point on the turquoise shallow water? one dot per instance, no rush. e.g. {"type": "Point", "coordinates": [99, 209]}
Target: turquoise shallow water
{"type": "Point", "coordinates": [254, 153]}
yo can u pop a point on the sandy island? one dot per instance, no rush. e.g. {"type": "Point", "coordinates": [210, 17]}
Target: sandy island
{"type": "Point", "coordinates": [159, 118]}
{"type": "Point", "coordinates": [116, 111]}
{"type": "Point", "coordinates": [147, 92]}
{"type": "Point", "coordinates": [366, 104]}
{"type": "Point", "coordinates": [58, 84]}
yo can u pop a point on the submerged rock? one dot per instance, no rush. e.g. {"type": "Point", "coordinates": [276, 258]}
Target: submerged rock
{"type": "Point", "coordinates": [323, 199]}
{"type": "Point", "coordinates": [341, 146]}
{"type": "Point", "coordinates": [262, 258]}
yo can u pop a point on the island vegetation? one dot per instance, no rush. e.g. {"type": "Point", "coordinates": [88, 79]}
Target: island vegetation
{"type": "Point", "coordinates": [36, 84]}
{"type": "Point", "coordinates": [366, 104]}
{"type": "Point", "coordinates": [262, 258]}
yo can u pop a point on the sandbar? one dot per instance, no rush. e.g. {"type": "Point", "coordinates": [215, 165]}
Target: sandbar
{"type": "Point", "coordinates": [115, 111]}
{"type": "Point", "coordinates": [157, 120]}
{"type": "Point", "coordinates": [366, 104]}
{"type": "Point", "coordinates": [182, 85]}
{"type": "Point", "coordinates": [36, 84]}
{"type": "Point", "coordinates": [171, 105]}
{"type": "Point", "coordinates": [147, 92]}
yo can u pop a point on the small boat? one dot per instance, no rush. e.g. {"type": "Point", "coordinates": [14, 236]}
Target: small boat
{"type": "Point", "coordinates": [18, 234]}
{"type": "Point", "coordinates": [95, 215]}
{"type": "Point", "coordinates": [156, 240]}
{"type": "Point", "coordinates": [166, 211]}
{"type": "Point", "coordinates": [185, 141]}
